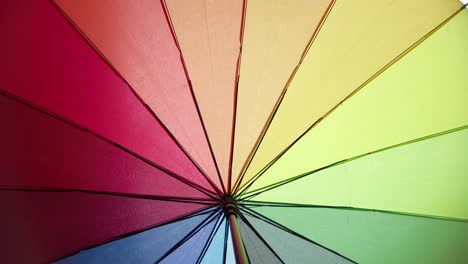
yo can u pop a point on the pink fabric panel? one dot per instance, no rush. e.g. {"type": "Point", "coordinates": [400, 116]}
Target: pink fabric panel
{"type": "Point", "coordinates": [48, 63]}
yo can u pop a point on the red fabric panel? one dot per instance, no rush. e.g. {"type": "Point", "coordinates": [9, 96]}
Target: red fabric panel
{"type": "Point", "coordinates": [136, 38]}
{"type": "Point", "coordinates": [38, 227]}
{"type": "Point", "coordinates": [47, 62]}
{"type": "Point", "coordinates": [41, 151]}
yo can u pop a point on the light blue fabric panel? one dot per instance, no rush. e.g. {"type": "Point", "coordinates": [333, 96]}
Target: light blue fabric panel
{"type": "Point", "coordinates": [215, 252]}
{"type": "Point", "coordinates": [230, 257]}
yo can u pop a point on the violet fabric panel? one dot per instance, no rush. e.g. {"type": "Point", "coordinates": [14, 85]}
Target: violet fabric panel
{"type": "Point", "coordinates": [38, 227]}
{"type": "Point", "coordinates": [47, 62]}
{"type": "Point", "coordinates": [41, 151]}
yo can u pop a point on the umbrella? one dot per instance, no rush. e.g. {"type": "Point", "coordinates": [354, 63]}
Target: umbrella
{"type": "Point", "coordinates": [225, 131]}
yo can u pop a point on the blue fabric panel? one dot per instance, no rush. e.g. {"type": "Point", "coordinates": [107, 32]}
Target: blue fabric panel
{"type": "Point", "coordinates": [190, 251]}
{"type": "Point", "coordinates": [143, 247]}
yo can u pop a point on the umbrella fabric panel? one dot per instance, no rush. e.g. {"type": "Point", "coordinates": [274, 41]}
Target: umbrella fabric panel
{"type": "Point", "coordinates": [257, 250]}
{"type": "Point", "coordinates": [40, 226]}
{"type": "Point", "coordinates": [276, 33]}
{"type": "Point", "coordinates": [427, 177]}
{"type": "Point", "coordinates": [142, 247]}
{"type": "Point", "coordinates": [136, 39]}
{"type": "Point", "coordinates": [41, 151]}
{"type": "Point", "coordinates": [190, 251]}
{"type": "Point", "coordinates": [417, 96]}
{"type": "Point", "coordinates": [291, 248]}
{"type": "Point", "coordinates": [215, 251]}
{"type": "Point", "coordinates": [230, 257]}
{"type": "Point", "coordinates": [357, 40]}
{"type": "Point", "coordinates": [375, 237]}
{"type": "Point", "coordinates": [48, 63]}
{"type": "Point", "coordinates": [208, 33]}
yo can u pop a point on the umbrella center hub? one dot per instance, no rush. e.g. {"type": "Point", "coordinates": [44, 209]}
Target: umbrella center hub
{"type": "Point", "coordinates": [229, 205]}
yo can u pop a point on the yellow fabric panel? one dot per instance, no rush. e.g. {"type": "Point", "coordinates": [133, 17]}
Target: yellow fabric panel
{"type": "Point", "coordinates": [357, 40]}
{"type": "Point", "coordinates": [276, 34]}
{"type": "Point", "coordinates": [423, 93]}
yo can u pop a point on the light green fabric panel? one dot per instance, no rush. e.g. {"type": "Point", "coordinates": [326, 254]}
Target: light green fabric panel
{"type": "Point", "coordinates": [373, 237]}
{"type": "Point", "coordinates": [423, 93]}
{"type": "Point", "coordinates": [428, 177]}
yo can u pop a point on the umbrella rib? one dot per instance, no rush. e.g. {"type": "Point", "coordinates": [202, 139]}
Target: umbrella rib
{"type": "Point", "coordinates": [195, 230]}
{"type": "Point", "coordinates": [284, 182]}
{"type": "Point", "coordinates": [4, 188]}
{"type": "Point", "coordinates": [140, 99]}
{"type": "Point", "coordinates": [294, 205]}
{"type": "Point", "coordinates": [309, 173]}
{"type": "Point", "coordinates": [281, 96]}
{"type": "Point", "coordinates": [249, 183]}
{"type": "Point", "coordinates": [192, 93]}
{"type": "Point", "coordinates": [170, 221]}
{"type": "Point", "coordinates": [68, 122]}
{"type": "Point", "coordinates": [278, 225]}
{"type": "Point", "coordinates": [226, 236]}
{"type": "Point", "coordinates": [210, 239]}
{"type": "Point", "coordinates": [236, 92]}
{"type": "Point", "coordinates": [252, 213]}
{"type": "Point", "coordinates": [259, 236]}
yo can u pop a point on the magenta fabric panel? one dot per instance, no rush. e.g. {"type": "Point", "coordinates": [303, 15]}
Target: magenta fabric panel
{"type": "Point", "coordinates": [38, 227]}
{"type": "Point", "coordinates": [48, 63]}
{"type": "Point", "coordinates": [41, 151]}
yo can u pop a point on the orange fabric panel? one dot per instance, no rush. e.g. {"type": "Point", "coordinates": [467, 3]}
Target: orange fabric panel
{"type": "Point", "coordinates": [208, 33]}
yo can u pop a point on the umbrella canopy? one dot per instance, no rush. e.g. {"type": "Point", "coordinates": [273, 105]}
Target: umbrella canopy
{"type": "Point", "coordinates": [227, 131]}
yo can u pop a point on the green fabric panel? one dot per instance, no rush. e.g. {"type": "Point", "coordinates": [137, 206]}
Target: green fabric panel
{"type": "Point", "coordinates": [291, 248]}
{"type": "Point", "coordinates": [428, 177]}
{"type": "Point", "coordinates": [257, 251]}
{"type": "Point", "coordinates": [423, 93]}
{"type": "Point", "coordinates": [373, 237]}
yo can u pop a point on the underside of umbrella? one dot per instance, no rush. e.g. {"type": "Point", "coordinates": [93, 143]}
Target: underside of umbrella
{"type": "Point", "coordinates": [250, 131]}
